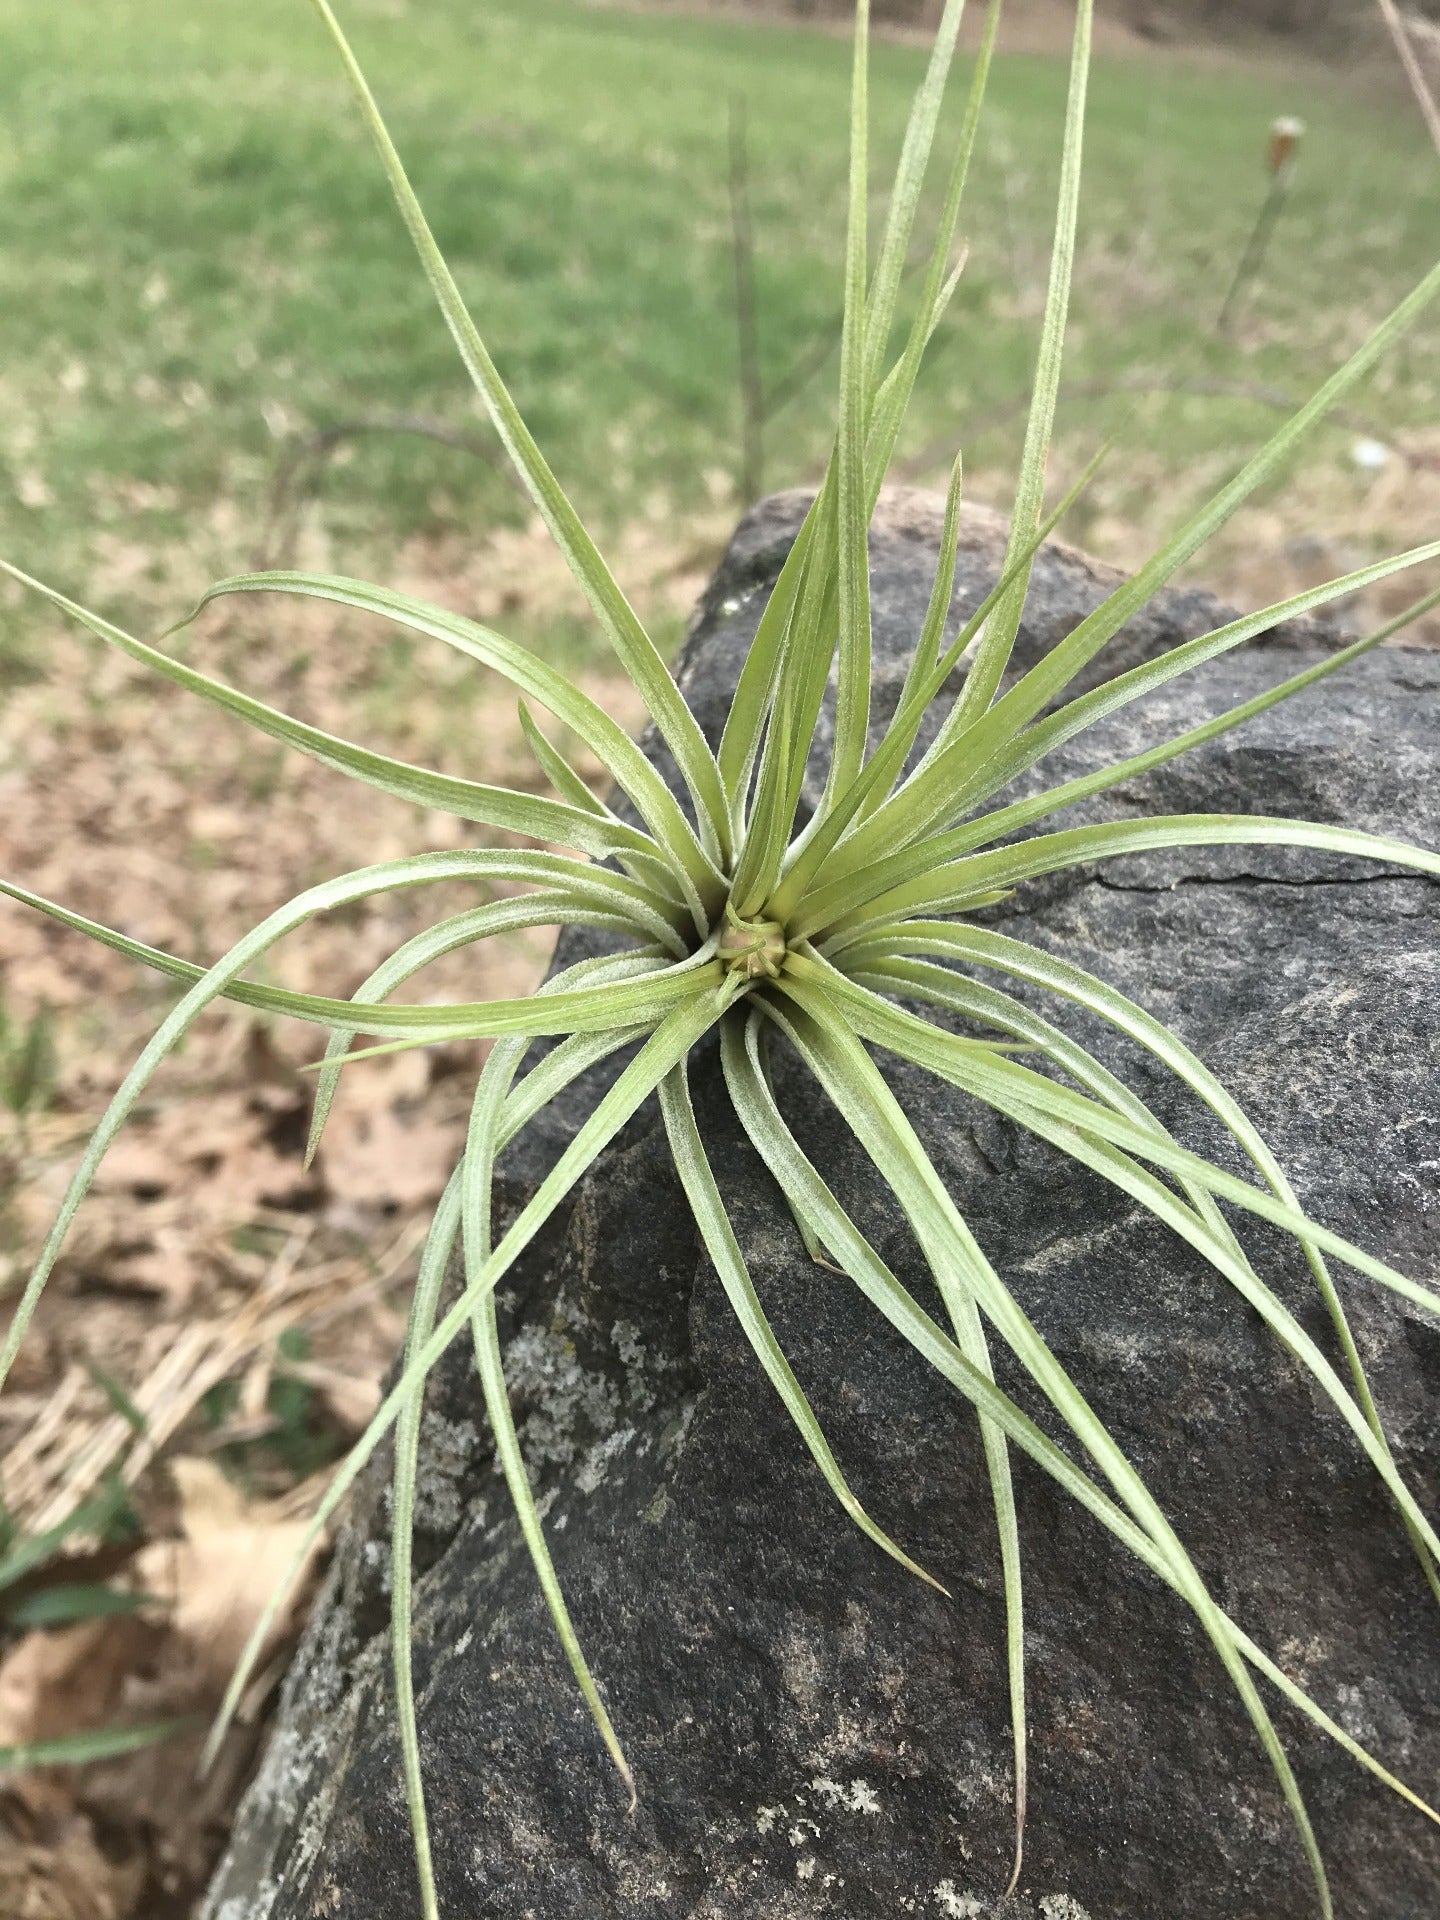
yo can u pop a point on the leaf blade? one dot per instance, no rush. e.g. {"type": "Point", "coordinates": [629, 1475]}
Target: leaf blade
{"type": "Point", "coordinates": [633, 646]}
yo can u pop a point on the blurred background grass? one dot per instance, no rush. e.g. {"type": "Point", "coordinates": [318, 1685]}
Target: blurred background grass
{"type": "Point", "coordinates": [199, 263]}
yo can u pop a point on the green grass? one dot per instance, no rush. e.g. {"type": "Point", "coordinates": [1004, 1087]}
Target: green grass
{"type": "Point", "coordinates": [196, 253]}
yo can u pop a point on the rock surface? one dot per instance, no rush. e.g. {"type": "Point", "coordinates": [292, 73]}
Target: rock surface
{"type": "Point", "coordinates": [814, 1733]}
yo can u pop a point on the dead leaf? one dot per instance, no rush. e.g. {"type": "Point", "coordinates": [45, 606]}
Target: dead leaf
{"type": "Point", "coordinates": [380, 1159]}
{"type": "Point", "coordinates": [171, 1662]}
{"type": "Point", "coordinates": [69, 1681]}
{"type": "Point", "coordinates": [352, 1398]}
{"type": "Point", "coordinates": [61, 1874]}
{"type": "Point", "coordinates": [218, 1579]}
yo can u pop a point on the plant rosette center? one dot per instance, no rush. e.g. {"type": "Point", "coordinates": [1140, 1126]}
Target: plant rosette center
{"type": "Point", "coordinates": [756, 949]}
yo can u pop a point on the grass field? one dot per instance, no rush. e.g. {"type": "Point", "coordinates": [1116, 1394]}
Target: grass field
{"type": "Point", "coordinates": [199, 261]}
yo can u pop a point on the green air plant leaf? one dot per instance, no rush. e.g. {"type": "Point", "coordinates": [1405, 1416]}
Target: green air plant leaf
{"type": "Point", "coordinates": [724, 911]}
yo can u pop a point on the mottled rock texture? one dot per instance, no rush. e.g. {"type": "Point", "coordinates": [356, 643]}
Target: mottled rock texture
{"type": "Point", "coordinates": [813, 1733]}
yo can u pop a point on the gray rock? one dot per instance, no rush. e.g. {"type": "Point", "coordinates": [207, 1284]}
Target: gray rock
{"type": "Point", "coordinates": [814, 1733]}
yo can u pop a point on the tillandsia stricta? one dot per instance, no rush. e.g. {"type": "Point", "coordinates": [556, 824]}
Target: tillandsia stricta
{"type": "Point", "coordinates": [819, 937]}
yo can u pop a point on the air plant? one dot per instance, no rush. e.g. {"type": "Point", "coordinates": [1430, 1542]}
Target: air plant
{"type": "Point", "coordinates": [820, 936]}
